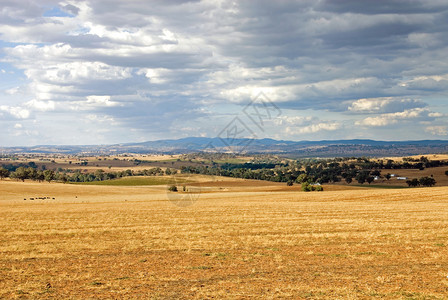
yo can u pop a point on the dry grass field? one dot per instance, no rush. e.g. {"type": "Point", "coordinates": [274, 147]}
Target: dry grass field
{"type": "Point", "coordinates": [239, 240]}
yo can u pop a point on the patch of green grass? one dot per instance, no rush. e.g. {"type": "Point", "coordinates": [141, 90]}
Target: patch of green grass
{"type": "Point", "coordinates": [217, 255]}
{"type": "Point", "coordinates": [331, 255]}
{"type": "Point", "coordinates": [370, 253]}
{"type": "Point", "coordinates": [416, 296]}
{"type": "Point", "coordinates": [201, 268]}
{"type": "Point", "coordinates": [273, 249]}
{"type": "Point", "coordinates": [439, 245]}
{"type": "Point", "coordinates": [138, 181]}
{"type": "Point", "coordinates": [97, 283]}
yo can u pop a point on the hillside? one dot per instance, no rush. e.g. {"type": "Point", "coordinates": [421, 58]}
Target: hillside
{"type": "Point", "coordinates": [294, 149]}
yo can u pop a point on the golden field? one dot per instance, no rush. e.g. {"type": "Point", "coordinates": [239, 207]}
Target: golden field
{"type": "Point", "coordinates": [241, 239]}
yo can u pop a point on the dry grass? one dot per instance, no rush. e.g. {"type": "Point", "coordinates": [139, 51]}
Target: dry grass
{"type": "Point", "coordinates": [243, 243]}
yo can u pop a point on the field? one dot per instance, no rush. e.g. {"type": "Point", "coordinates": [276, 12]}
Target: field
{"type": "Point", "coordinates": [241, 239]}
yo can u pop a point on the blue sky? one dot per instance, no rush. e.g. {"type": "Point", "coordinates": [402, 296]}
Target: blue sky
{"type": "Point", "coordinates": [102, 72]}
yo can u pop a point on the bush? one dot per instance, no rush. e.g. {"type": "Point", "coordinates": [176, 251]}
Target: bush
{"type": "Point", "coordinates": [427, 181]}
{"type": "Point", "coordinates": [318, 188]}
{"type": "Point", "coordinates": [413, 183]}
{"type": "Point", "coordinates": [306, 187]}
{"type": "Point", "coordinates": [172, 188]}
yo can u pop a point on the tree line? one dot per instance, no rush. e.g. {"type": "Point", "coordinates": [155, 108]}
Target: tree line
{"type": "Point", "coordinates": [22, 173]}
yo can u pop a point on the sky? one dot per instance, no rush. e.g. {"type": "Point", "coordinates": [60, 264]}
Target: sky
{"type": "Point", "coordinates": [106, 72]}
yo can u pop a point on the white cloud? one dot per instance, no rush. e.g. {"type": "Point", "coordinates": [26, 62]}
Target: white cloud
{"type": "Point", "coordinates": [41, 105]}
{"type": "Point", "coordinates": [16, 112]}
{"type": "Point", "coordinates": [384, 105]}
{"type": "Point", "coordinates": [437, 130]}
{"type": "Point", "coordinates": [331, 126]}
{"type": "Point", "coordinates": [419, 114]}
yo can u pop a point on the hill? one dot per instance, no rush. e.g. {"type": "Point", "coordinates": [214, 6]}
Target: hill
{"type": "Point", "coordinates": [295, 149]}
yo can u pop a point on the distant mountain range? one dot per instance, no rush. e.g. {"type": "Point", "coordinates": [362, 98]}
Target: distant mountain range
{"type": "Point", "coordinates": [327, 148]}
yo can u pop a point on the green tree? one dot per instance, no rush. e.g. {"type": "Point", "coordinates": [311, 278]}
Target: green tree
{"type": "Point", "coordinates": [4, 173]}
{"type": "Point", "coordinates": [49, 175]}
{"type": "Point", "coordinates": [40, 176]}
{"type": "Point", "coordinates": [413, 183]}
{"type": "Point", "coordinates": [427, 181]}
{"type": "Point", "coordinates": [21, 173]}
{"type": "Point", "coordinates": [303, 178]}
{"type": "Point", "coordinates": [362, 177]}
{"type": "Point", "coordinates": [63, 178]}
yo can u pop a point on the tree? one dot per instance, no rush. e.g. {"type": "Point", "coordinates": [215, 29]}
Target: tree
{"type": "Point", "coordinates": [376, 173]}
{"type": "Point", "coordinates": [3, 173]}
{"type": "Point", "coordinates": [172, 188]}
{"type": "Point", "coordinates": [413, 183]}
{"type": "Point", "coordinates": [49, 175]}
{"type": "Point", "coordinates": [63, 178]}
{"type": "Point", "coordinates": [303, 178]}
{"type": "Point", "coordinates": [446, 173]}
{"type": "Point", "coordinates": [370, 179]}
{"type": "Point", "coordinates": [427, 181]}
{"type": "Point", "coordinates": [362, 177]}
{"type": "Point", "coordinates": [21, 173]}
{"type": "Point", "coordinates": [388, 176]}
{"type": "Point", "coordinates": [290, 183]}
{"type": "Point", "coordinates": [348, 180]}
{"type": "Point", "coordinates": [40, 176]}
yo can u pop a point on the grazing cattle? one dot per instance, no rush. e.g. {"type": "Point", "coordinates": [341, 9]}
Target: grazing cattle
{"type": "Point", "coordinates": [24, 199]}
{"type": "Point", "coordinates": [31, 198]}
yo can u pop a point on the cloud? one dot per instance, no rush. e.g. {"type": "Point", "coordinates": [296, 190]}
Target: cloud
{"type": "Point", "coordinates": [299, 125]}
{"type": "Point", "coordinates": [415, 114]}
{"type": "Point", "coordinates": [437, 130]}
{"type": "Point", "coordinates": [16, 112]}
{"type": "Point", "coordinates": [153, 67]}
{"type": "Point", "coordinates": [41, 105]}
{"type": "Point", "coordinates": [384, 105]}
{"type": "Point", "coordinates": [332, 126]}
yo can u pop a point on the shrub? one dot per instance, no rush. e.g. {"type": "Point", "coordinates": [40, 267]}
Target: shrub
{"type": "Point", "coordinates": [318, 188]}
{"type": "Point", "coordinates": [306, 187]}
{"type": "Point", "coordinates": [172, 188]}
{"type": "Point", "coordinates": [427, 181]}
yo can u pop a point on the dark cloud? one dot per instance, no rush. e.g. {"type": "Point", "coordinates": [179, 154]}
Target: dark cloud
{"type": "Point", "coordinates": [383, 7]}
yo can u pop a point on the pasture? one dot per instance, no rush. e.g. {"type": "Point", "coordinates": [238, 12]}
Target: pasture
{"type": "Point", "coordinates": [241, 239]}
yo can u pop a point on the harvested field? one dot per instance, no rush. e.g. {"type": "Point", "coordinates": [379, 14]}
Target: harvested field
{"type": "Point", "coordinates": [132, 242]}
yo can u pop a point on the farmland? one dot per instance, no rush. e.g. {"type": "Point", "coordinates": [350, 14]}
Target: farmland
{"type": "Point", "coordinates": [241, 239]}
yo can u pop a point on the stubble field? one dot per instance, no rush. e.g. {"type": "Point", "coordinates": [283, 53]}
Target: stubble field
{"type": "Point", "coordinates": [239, 240]}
